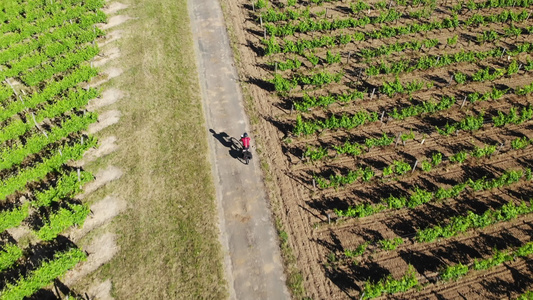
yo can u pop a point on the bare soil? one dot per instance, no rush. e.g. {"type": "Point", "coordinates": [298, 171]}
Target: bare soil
{"type": "Point", "coordinates": [101, 250]}
{"type": "Point", "coordinates": [105, 119]}
{"type": "Point", "coordinates": [102, 177]}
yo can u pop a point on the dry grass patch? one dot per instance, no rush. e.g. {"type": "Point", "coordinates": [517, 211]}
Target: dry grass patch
{"type": "Point", "coordinates": [168, 238]}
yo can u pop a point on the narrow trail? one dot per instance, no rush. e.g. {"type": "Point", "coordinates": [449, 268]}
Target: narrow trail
{"type": "Point", "coordinates": [252, 258]}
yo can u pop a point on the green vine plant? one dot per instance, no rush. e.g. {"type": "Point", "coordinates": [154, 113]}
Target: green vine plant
{"type": "Point", "coordinates": [418, 196]}
{"type": "Point", "coordinates": [454, 272]}
{"type": "Point", "coordinates": [455, 226]}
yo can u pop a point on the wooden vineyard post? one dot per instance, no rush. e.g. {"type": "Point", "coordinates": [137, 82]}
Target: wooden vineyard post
{"type": "Point", "coordinates": [373, 90]}
{"type": "Point", "coordinates": [329, 219]}
{"type": "Point", "coordinates": [422, 142]}
{"type": "Point", "coordinates": [348, 59]}
{"type": "Point", "coordinates": [265, 33]}
{"type": "Point", "coordinates": [276, 67]}
{"type": "Point", "coordinates": [253, 6]}
{"type": "Point", "coordinates": [503, 52]}
{"type": "Point", "coordinates": [292, 108]}
{"type": "Point", "coordinates": [414, 167]}
{"type": "Point", "coordinates": [261, 20]}
{"type": "Point", "coordinates": [37, 125]}
{"type": "Point", "coordinates": [314, 184]}
{"type": "Point", "coordinates": [501, 145]}
{"type": "Point", "coordinates": [79, 177]}
{"type": "Point", "coordinates": [464, 101]}
{"type": "Point", "coordinates": [14, 91]}
{"type": "Point", "coordinates": [450, 81]}
{"type": "Point", "coordinates": [398, 139]}
{"type": "Point", "coordinates": [381, 119]}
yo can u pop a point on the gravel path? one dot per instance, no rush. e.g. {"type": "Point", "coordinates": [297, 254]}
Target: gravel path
{"type": "Point", "coordinates": [252, 257]}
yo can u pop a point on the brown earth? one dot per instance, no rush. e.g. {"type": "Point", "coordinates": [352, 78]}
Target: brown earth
{"type": "Point", "coordinates": [318, 247]}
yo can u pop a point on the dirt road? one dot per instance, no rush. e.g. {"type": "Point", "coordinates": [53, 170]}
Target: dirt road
{"type": "Point", "coordinates": [253, 262]}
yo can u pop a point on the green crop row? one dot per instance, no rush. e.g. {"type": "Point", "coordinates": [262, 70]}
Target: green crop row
{"type": "Point", "coordinates": [473, 122]}
{"type": "Point", "coordinates": [10, 254]}
{"type": "Point", "coordinates": [414, 110]}
{"type": "Point", "coordinates": [389, 285]}
{"type": "Point", "coordinates": [80, 14]}
{"type": "Point", "coordinates": [62, 64]}
{"type": "Point", "coordinates": [460, 224]}
{"type": "Point", "coordinates": [49, 52]}
{"type": "Point", "coordinates": [69, 33]}
{"type": "Point", "coordinates": [272, 46]}
{"type": "Point", "coordinates": [323, 77]}
{"type": "Point", "coordinates": [13, 218]}
{"type": "Point", "coordinates": [44, 275]}
{"type": "Point", "coordinates": [76, 99]}
{"type": "Point", "coordinates": [513, 117]}
{"type": "Point", "coordinates": [489, 73]}
{"type": "Point", "coordinates": [35, 143]}
{"type": "Point", "coordinates": [362, 117]}
{"type": "Point", "coordinates": [334, 122]}
{"type": "Point", "coordinates": [309, 102]}
{"type": "Point", "coordinates": [432, 61]}
{"type": "Point", "coordinates": [420, 196]}
{"type": "Point", "coordinates": [388, 16]}
{"type": "Point", "coordinates": [309, 24]}
{"type": "Point", "coordinates": [66, 186]}
{"type": "Point", "coordinates": [273, 15]}
{"type": "Point", "coordinates": [41, 169]}
{"type": "Point", "coordinates": [390, 88]}
{"type": "Point", "coordinates": [17, 21]}
{"type": "Point", "coordinates": [423, 108]}
{"type": "Point", "coordinates": [521, 143]}
{"type": "Point", "coordinates": [293, 64]}
{"type": "Point", "coordinates": [499, 257]}
{"type": "Point", "coordinates": [456, 225]}
{"type": "Point", "coordinates": [61, 220]}
{"type": "Point", "coordinates": [471, 5]}
{"type": "Point", "coordinates": [52, 89]}
{"type": "Point", "coordinates": [5, 93]}
{"type": "Point", "coordinates": [356, 148]}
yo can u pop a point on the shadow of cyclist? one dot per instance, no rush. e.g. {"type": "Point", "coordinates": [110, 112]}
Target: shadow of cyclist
{"type": "Point", "coordinates": [229, 142]}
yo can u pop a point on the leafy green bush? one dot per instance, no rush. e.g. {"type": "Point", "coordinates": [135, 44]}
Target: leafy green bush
{"type": "Point", "coordinates": [520, 143]}
{"type": "Point", "coordinates": [358, 251]}
{"type": "Point", "coordinates": [389, 285]}
{"type": "Point", "coordinates": [390, 244]}
{"type": "Point", "coordinates": [459, 157]}
{"type": "Point", "coordinates": [453, 272]}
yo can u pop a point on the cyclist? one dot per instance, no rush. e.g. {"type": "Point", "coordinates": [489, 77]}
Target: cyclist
{"type": "Point", "coordinates": [245, 140]}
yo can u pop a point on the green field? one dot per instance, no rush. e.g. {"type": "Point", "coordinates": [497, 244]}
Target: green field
{"type": "Point", "coordinates": [167, 237]}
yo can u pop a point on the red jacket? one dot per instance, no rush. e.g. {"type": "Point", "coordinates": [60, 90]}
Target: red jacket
{"type": "Point", "coordinates": [245, 142]}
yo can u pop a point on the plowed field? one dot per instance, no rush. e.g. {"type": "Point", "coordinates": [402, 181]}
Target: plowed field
{"type": "Point", "coordinates": [369, 115]}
